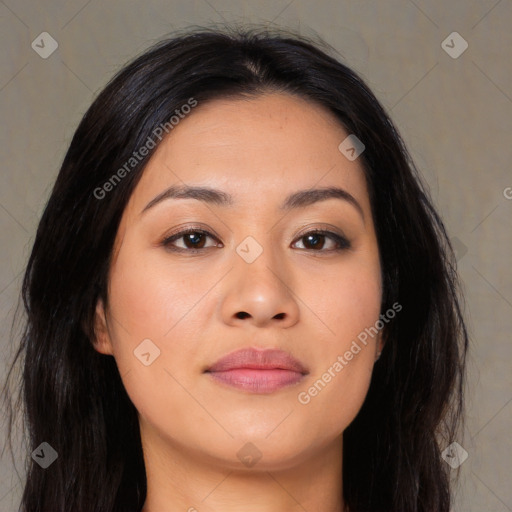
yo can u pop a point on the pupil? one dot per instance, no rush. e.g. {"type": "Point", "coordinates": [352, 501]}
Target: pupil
{"type": "Point", "coordinates": [314, 237]}
{"type": "Point", "coordinates": [191, 236]}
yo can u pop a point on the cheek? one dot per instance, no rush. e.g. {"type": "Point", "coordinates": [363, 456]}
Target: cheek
{"type": "Point", "coordinates": [346, 297]}
{"type": "Point", "coordinates": [350, 307]}
{"type": "Point", "coordinates": [150, 296]}
{"type": "Point", "coordinates": [354, 306]}
{"type": "Point", "coordinates": [150, 300]}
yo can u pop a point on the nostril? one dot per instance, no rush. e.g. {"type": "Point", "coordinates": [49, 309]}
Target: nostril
{"type": "Point", "coordinates": [242, 314]}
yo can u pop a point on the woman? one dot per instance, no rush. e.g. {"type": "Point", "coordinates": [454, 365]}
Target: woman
{"type": "Point", "coordinates": [240, 296]}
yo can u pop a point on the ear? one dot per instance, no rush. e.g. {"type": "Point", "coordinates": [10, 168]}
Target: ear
{"type": "Point", "coordinates": [381, 340]}
{"type": "Point", "coordinates": [101, 342]}
{"type": "Point", "coordinates": [379, 345]}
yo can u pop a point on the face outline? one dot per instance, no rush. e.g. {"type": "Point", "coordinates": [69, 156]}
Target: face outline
{"type": "Point", "coordinates": [259, 150]}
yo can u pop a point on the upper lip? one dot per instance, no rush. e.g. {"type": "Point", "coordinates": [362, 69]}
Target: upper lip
{"type": "Point", "coordinates": [253, 358]}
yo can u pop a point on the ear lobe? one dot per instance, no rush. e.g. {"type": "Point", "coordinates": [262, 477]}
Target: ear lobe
{"type": "Point", "coordinates": [101, 341]}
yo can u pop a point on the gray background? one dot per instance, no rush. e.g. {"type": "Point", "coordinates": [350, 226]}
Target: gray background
{"type": "Point", "coordinates": [455, 115]}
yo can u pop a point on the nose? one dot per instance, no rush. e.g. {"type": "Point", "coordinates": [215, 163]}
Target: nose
{"type": "Point", "coordinates": [259, 293]}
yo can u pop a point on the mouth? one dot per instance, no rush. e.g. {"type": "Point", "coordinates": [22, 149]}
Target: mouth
{"type": "Point", "coordinates": [258, 371]}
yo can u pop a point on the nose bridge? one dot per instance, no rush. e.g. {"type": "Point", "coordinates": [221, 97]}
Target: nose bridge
{"type": "Point", "coordinates": [259, 257]}
{"type": "Point", "coordinates": [259, 286]}
{"type": "Point", "coordinates": [257, 262]}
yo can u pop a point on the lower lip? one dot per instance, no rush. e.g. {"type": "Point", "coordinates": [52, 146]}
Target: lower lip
{"type": "Point", "coordinates": [257, 381]}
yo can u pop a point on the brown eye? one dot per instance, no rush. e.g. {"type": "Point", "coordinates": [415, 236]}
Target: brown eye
{"type": "Point", "coordinates": [316, 241]}
{"type": "Point", "coordinates": [193, 240]}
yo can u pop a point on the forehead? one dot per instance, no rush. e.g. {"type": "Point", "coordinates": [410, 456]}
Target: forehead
{"type": "Point", "coordinates": [257, 149]}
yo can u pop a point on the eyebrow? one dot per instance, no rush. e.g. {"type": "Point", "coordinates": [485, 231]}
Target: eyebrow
{"type": "Point", "coordinates": [299, 199]}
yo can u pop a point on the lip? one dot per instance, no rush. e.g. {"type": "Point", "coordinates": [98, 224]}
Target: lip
{"type": "Point", "coordinates": [258, 371]}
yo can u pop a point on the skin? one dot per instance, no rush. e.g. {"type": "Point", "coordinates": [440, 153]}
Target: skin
{"type": "Point", "coordinates": [259, 150]}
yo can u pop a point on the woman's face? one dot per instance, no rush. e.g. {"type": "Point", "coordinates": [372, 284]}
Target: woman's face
{"type": "Point", "coordinates": [256, 279]}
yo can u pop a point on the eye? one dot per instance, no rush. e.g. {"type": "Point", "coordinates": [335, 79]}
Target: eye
{"type": "Point", "coordinates": [315, 241]}
{"type": "Point", "coordinates": [194, 240]}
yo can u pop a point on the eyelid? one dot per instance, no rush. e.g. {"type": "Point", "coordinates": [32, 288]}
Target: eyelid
{"type": "Point", "coordinates": [321, 228]}
{"type": "Point", "coordinates": [184, 229]}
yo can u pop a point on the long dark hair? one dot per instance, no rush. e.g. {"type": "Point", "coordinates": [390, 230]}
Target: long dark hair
{"type": "Point", "coordinates": [73, 397]}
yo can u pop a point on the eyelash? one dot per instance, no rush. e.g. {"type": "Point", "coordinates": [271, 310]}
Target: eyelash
{"type": "Point", "coordinates": [343, 243]}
